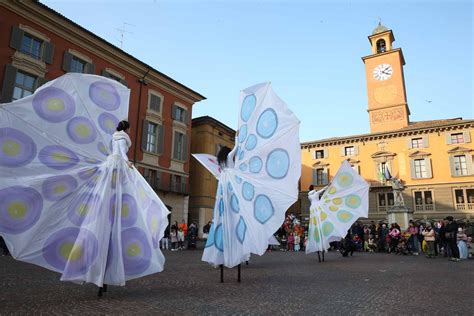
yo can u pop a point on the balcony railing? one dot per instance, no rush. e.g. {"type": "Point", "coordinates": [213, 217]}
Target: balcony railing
{"type": "Point", "coordinates": [178, 187]}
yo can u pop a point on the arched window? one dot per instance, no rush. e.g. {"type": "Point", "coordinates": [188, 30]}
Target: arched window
{"type": "Point", "coordinates": [381, 46]}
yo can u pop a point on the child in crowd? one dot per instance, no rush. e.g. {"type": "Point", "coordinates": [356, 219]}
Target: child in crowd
{"type": "Point", "coordinates": [462, 245]}
{"type": "Point", "coordinates": [180, 238]}
{"type": "Point", "coordinates": [291, 242]}
{"type": "Point", "coordinates": [371, 245]}
{"type": "Point", "coordinates": [297, 242]}
{"type": "Point", "coordinates": [174, 239]}
{"type": "Point", "coordinates": [402, 248]}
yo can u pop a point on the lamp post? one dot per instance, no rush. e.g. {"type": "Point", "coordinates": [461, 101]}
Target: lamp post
{"type": "Point", "coordinates": [142, 83]}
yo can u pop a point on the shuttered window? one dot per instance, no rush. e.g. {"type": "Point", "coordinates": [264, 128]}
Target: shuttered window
{"type": "Point", "coordinates": [31, 45]}
{"type": "Point", "coordinates": [24, 85]}
{"type": "Point", "coordinates": [153, 137]}
{"type": "Point", "coordinates": [155, 103]}
{"type": "Point", "coordinates": [460, 165]}
{"type": "Point", "coordinates": [180, 146]}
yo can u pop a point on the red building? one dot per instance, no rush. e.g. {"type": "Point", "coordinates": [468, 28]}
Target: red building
{"type": "Point", "coordinates": [38, 44]}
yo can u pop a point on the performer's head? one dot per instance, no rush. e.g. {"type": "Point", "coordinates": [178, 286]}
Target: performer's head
{"type": "Point", "coordinates": [222, 155]}
{"type": "Point", "coordinates": [123, 126]}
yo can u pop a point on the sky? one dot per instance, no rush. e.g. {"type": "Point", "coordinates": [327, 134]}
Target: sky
{"type": "Point", "coordinates": [310, 50]}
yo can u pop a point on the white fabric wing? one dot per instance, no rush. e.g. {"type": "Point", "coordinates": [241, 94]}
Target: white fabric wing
{"type": "Point", "coordinates": [252, 197]}
{"type": "Point", "coordinates": [210, 163]}
{"type": "Point", "coordinates": [342, 203]}
{"type": "Point", "coordinates": [61, 188]}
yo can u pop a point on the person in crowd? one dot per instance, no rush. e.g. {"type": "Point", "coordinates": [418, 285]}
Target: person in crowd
{"type": "Point", "coordinates": [297, 242]}
{"type": "Point", "coordinates": [372, 245]}
{"type": "Point", "coordinates": [165, 240]}
{"type": "Point", "coordinates": [206, 229]}
{"type": "Point", "coordinates": [348, 245]}
{"type": "Point", "coordinates": [394, 234]}
{"type": "Point", "coordinates": [174, 238]}
{"type": "Point", "coordinates": [283, 242]}
{"type": "Point", "coordinates": [402, 248]}
{"type": "Point", "coordinates": [291, 242]}
{"type": "Point", "coordinates": [383, 233]}
{"type": "Point", "coordinates": [413, 239]}
{"type": "Point", "coordinates": [451, 238]}
{"type": "Point", "coordinates": [462, 244]}
{"type": "Point", "coordinates": [192, 236]}
{"type": "Point", "coordinates": [429, 235]}
{"type": "Point", "coordinates": [180, 238]}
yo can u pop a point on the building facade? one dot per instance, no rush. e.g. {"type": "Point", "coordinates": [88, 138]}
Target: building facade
{"type": "Point", "coordinates": [432, 158]}
{"type": "Point", "coordinates": [208, 137]}
{"type": "Point", "coordinates": [38, 44]}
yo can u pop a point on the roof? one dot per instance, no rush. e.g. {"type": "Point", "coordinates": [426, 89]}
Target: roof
{"type": "Point", "coordinates": [379, 29]}
{"type": "Point", "coordinates": [115, 47]}
{"type": "Point", "coordinates": [210, 120]}
{"type": "Point", "coordinates": [411, 128]}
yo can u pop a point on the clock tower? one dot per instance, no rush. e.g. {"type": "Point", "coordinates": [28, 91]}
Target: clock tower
{"type": "Point", "coordinates": [388, 108]}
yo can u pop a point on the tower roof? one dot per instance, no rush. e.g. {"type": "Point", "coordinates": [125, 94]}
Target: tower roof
{"type": "Point", "coordinates": [379, 29]}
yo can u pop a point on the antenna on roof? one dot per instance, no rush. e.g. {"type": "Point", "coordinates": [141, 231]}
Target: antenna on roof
{"type": "Point", "coordinates": [122, 32]}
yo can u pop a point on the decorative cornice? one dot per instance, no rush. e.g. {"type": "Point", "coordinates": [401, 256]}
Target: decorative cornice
{"type": "Point", "coordinates": [405, 132]}
{"type": "Point", "coordinates": [459, 149]}
{"type": "Point", "coordinates": [320, 164]}
{"type": "Point", "coordinates": [419, 153]}
{"type": "Point", "coordinates": [381, 154]}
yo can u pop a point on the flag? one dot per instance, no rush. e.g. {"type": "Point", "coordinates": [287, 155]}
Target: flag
{"type": "Point", "coordinates": [387, 174]}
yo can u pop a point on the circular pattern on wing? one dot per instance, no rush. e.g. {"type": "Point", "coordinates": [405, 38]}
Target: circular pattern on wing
{"type": "Point", "coordinates": [234, 203]}
{"type": "Point", "coordinates": [128, 210]}
{"type": "Point", "coordinates": [267, 123]}
{"type": "Point", "coordinates": [345, 179]}
{"type": "Point", "coordinates": [344, 216]}
{"type": "Point", "coordinates": [248, 105]}
{"type": "Point", "coordinates": [58, 157]}
{"type": "Point", "coordinates": [136, 251]}
{"type": "Point", "coordinates": [242, 133]}
{"type": "Point", "coordinates": [20, 209]}
{"type": "Point", "coordinates": [241, 229]}
{"type": "Point", "coordinates": [248, 191]}
{"type": "Point", "coordinates": [278, 163]}
{"type": "Point", "coordinates": [104, 95]}
{"type": "Point", "coordinates": [108, 122]}
{"type": "Point", "coordinates": [57, 187]}
{"type": "Point", "coordinates": [353, 201]}
{"type": "Point", "coordinates": [71, 251]}
{"type": "Point", "coordinates": [218, 240]}
{"type": "Point", "coordinates": [153, 222]}
{"type": "Point", "coordinates": [251, 142]}
{"type": "Point", "coordinates": [81, 130]}
{"type": "Point", "coordinates": [255, 164]}
{"type": "Point", "coordinates": [16, 148]}
{"type": "Point", "coordinates": [84, 209]}
{"type": "Point", "coordinates": [263, 208]}
{"type": "Point", "coordinates": [53, 105]}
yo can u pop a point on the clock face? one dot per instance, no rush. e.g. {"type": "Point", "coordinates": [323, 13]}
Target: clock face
{"type": "Point", "coordinates": [382, 72]}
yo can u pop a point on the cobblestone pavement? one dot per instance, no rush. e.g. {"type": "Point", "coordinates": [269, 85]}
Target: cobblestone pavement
{"type": "Point", "coordinates": [276, 283]}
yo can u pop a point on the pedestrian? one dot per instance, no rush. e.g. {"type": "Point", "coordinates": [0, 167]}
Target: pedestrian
{"type": "Point", "coordinates": [174, 238]}
{"type": "Point", "coordinates": [462, 245]}
{"type": "Point", "coordinates": [165, 240]}
{"type": "Point", "coordinates": [429, 235]}
{"type": "Point", "coordinates": [451, 238]}
{"type": "Point", "coordinates": [291, 242]}
{"type": "Point", "coordinates": [297, 243]}
{"type": "Point", "coordinates": [180, 238]}
{"type": "Point", "coordinates": [413, 239]}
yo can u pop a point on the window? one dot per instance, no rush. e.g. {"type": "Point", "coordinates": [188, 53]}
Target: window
{"type": "Point", "coordinates": [155, 103]}
{"type": "Point", "coordinates": [77, 65]}
{"type": "Point", "coordinates": [31, 43]}
{"type": "Point", "coordinates": [180, 146]}
{"type": "Point", "coordinates": [153, 178]}
{"type": "Point", "coordinates": [423, 201]}
{"type": "Point", "coordinates": [151, 143]}
{"type": "Point", "coordinates": [320, 176]}
{"type": "Point", "coordinates": [31, 46]}
{"type": "Point", "coordinates": [417, 143]}
{"type": "Point", "coordinates": [460, 166]}
{"type": "Point", "coordinates": [178, 184]}
{"type": "Point", "coordinates": [152, 137]}
{"type": "Point", "coordinates": [24, 85]}
{"type": "Point", "coordinates": [457, 138]}
{"type": "Point", "coordinates": [464, 199]}
{"type": "Point", "coordinates": [381, 46]}
{"type": "Point", "coordinates": [319, 154]}
{"type": "Point", "coordinates": [385, 201]}
{"type": "Point", "coordinates": [349, 151]}
{"type": "Point", "coordinates": [420, 168]}
{"type": "Point", "coordinates": [179, 114]}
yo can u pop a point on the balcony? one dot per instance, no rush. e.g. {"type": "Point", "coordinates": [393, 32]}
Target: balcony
{"type": "Point", "coordinates": [178, 187]}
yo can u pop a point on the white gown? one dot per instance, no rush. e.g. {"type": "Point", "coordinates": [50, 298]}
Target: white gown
{"type": "Point", "coordinates": [65, 178]}
{"type": "Point", "coordinates": [255, 191]}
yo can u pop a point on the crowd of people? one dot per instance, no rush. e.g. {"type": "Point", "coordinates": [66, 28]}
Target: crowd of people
{"type": "Point", "coordinates": [441, 238]}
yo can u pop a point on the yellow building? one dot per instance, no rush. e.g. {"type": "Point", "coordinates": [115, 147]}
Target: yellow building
{"type": "Point", "coordinates": [207, 136]}
{"type": "Point", "coordinates": [432, 158]}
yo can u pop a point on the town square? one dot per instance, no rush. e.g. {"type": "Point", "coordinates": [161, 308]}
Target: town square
{"type": "Point", "coordinates": [236, 157]}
